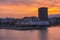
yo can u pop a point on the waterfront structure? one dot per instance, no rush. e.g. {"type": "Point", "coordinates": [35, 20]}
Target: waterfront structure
{"type": "Point", "coordinates": [43, 15]}
{"type": "Point", "coordinates": [42, 19]}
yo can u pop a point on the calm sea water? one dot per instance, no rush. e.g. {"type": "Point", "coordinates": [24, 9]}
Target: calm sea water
{"type": "Point", "coordinates": [51, 33]}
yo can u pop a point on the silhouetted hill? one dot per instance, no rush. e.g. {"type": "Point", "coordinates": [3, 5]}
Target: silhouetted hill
{"type": "Point", "coordinates": [55, 15]}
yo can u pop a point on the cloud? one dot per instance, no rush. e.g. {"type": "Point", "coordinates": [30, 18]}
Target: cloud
{"type": "Point", "coordinates": [35, 3]}
{"type": "Point", "coordinates": [16, 7]}
{"type": "Point", "coordinates": [15, 1]}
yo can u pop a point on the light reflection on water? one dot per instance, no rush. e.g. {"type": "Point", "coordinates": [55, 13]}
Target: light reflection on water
{"type": "Point", "coordinates": [52, 33]}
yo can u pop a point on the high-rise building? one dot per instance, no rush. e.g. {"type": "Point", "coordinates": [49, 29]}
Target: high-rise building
{"type": "Point", "coordinates": [43, 14]}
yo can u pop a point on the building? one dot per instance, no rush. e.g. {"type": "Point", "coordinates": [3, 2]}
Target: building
{"type": "Point", "coordinates": [43, 13]}
{"type": "Point", "coordinates": [43, 16]}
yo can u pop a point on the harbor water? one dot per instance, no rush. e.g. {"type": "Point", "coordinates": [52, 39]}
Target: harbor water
{"type": "Point", "coordinates": [51, 33]}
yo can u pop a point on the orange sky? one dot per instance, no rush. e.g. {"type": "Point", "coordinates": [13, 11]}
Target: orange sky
{"type": "Point", "coordinates": [21, 8]}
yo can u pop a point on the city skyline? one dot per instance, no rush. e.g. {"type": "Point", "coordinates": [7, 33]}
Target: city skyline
{"type": "Point", "coordinates": [19, 8]}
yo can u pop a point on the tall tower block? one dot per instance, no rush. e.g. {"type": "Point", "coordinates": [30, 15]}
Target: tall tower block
{"type": "Point", "coordinates": [43, 14]}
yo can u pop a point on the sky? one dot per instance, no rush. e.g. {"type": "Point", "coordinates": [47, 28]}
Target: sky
{"type": "Point", "coordinates": [21, 8]}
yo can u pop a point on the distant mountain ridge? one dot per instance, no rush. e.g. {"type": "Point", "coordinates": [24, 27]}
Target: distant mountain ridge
{"type": "Point", "coordinates": [55, 15]}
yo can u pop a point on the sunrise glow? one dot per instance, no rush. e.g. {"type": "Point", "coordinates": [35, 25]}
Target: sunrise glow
{"type": "Point", "coordinates": [18, 8]}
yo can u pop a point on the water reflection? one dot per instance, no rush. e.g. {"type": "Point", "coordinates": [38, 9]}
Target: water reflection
{"type": "Point", "coordinates": [52, 33]}
{"type": "Point", "coordinates": [43, 34]}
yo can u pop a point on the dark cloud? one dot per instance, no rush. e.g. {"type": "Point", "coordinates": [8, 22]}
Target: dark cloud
{"type": "Point", "coordinates": [14, 1]}
{"type": "Point", "coordinates": [29, 2]}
